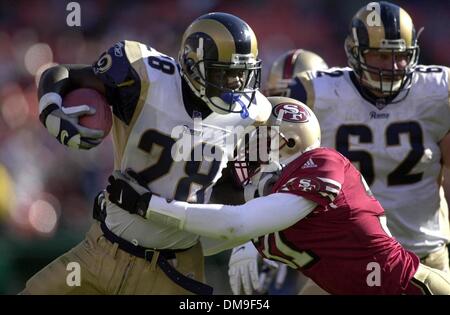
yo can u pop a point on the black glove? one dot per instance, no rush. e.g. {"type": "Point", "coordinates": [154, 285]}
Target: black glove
{"type": "Point", "coordinates": [125, 191]}
{"type": "Point", "coordinates": [99, 208]}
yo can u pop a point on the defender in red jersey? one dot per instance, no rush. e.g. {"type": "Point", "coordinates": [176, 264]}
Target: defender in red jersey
{"type": "Point", "coordinates": [319, 217]}
{"type": "Point", "coordinates": [342, 243]}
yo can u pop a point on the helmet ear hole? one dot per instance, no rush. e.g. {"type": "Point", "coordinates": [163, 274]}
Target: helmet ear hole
{"type": "Point", "coordinates": [291, 143]}
{"type": "Point", "coordinates": [190, 65]}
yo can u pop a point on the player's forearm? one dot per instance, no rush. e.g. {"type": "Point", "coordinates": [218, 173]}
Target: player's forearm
{"type": "Point", "coordinates": [54, 79]}
{"type": "Point", "coordinates": [61, 79]}
{"type": "Point", "coordinates": [241, 223]}
{"type": "Point", "coordinates": [213, 246]}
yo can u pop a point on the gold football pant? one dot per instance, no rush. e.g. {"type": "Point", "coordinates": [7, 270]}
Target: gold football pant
{"type": "Point", "coordinates": [311, 288]}
{"type": "Point", "coordinates": [426, 280]}
{"type": "Point", "coordinates": [438, 260]}
{"type": "Point", "coordinates": [431, 281]}
{"type": "Point", "coordinates": [106, 269]}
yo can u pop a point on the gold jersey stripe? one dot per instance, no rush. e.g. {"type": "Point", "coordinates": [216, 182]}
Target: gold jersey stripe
{"type": "Point", "coordinates": [306, 80]}
{"type": "Point", "coordinates": [121, 131]}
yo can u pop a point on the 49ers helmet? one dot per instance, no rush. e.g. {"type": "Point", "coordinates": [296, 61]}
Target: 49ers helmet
{"type": "Point", "coordinates": [294, 128]}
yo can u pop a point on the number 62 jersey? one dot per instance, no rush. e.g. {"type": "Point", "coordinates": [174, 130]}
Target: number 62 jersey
{"type": "Point", "coordinates": [396, 147]}
{"type": "Point", "coordinates": [153, 109]}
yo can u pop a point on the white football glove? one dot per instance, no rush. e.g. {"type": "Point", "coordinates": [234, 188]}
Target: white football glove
{"type": "Point", "coordinates": [243, 269]}
{"type": "Point", "coordinates": [270, 271]}
{"type": "Point", "coordinates": [62, 123]}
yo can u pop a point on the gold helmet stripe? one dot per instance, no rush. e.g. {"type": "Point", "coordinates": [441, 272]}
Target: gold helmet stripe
{"type": "Point", "coordinates": [254, 43]}
{"type": "Point", "coordinates": [374, 26]}
{"type": "Point", "coordinates": [406, 28]}
{"type": "Point", "coordinates": [243, 35]}
{"type": "Point", "coordinates": [120, 131]}
{"type": "Point", "coordinates": [215, 30]}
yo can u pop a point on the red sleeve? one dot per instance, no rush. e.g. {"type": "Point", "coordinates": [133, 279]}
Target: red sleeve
{"type": "Point", "coordinates": [317, 177]}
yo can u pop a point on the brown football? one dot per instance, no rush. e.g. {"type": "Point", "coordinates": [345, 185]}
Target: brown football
{"type": "Point", "coordinates": [102, 119]}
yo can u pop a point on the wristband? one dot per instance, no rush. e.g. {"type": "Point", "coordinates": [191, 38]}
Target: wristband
{"type": "Point", "coordinates": [49, 98]}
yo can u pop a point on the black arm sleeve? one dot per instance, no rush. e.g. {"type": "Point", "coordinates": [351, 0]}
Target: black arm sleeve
{"type": "Point", "coordinates": [122, 82]}
{"type": "Point", "coordinates": [62, 79]}
{"type": "Point", "coordinates": [112, 75]}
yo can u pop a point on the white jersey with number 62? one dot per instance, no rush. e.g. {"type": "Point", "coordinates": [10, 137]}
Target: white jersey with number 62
{"type": "Point", "coordinates": [396, 147]}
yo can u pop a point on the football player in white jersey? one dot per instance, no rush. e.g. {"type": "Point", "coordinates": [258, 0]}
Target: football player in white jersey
{"type": "Point", "coordinates": [216, 78]}
{"type": "Point", "coordinates": [391, 118]}
{"type": "Point", "coordinates": [316, 214]}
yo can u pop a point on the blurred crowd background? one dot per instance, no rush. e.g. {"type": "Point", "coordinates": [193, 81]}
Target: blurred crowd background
{"type": "Point", "coordinates": [46, 190]}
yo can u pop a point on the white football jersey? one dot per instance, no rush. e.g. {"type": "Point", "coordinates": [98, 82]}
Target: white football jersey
{"type": "Point", "coordinates": [148, 121]}
{"type": "Point", "coordinates": [395, 147]}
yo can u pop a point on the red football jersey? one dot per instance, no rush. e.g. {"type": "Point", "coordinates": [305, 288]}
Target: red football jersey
{"type": "Point", "coordinates": [341, 245]}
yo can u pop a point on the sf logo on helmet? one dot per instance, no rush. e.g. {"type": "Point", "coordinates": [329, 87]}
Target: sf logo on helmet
{"type": "Point", "coordinates": [292, 113]}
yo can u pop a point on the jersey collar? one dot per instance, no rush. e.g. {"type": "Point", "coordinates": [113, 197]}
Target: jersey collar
{"type": "Point", "coordinates": [378, 102]}
{"type": "Point", "coordinates": [192, 103]}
